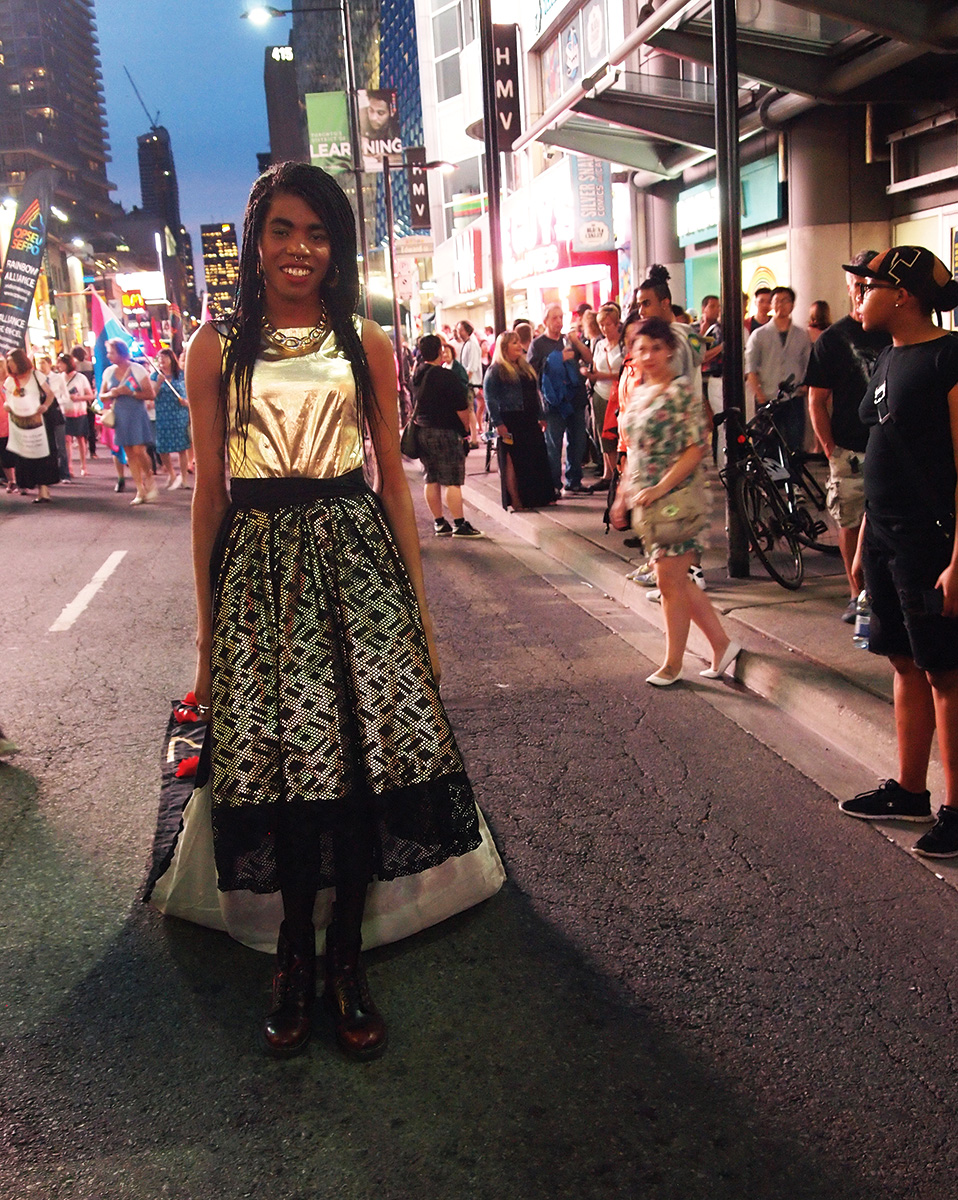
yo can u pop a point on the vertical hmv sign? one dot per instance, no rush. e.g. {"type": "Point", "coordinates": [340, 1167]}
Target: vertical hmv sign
{"type": "Point", "coordinates": [505, 40]}
{"type": "Point", "coordinates": [418, 189]}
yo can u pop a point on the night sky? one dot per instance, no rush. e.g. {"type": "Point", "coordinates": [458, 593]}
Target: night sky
{"type": "Point", "coordinates": [201, 66]}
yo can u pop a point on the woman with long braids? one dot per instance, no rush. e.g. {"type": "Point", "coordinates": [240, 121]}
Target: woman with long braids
{"type": "Point", "coordinates": [331, 759]}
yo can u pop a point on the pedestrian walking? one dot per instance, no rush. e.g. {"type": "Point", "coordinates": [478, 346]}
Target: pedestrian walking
{"type": "Point", "coordinates": [29, 400]}
{"type": "Point", "coordinates": [172, 417]}
{"type": "Point", "coordinates": [128, 386]}
{"type": "Point", "coordinates": [663, 423]}
{"type": "Point", "coordinates": [76, 410]}
{"type": "Point", "coordinates": [331, 757]}
{"type": "Point", "coordinates": [441, 405]}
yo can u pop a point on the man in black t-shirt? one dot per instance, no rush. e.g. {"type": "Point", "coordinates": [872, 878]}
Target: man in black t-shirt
{"type": "Point", "coordinates": [907, 555]}
{"type": "Point", "coordinates": [838, 372]}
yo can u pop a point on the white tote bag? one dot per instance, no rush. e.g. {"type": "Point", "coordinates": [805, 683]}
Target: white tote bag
{"type": "Point", "coordinates": [27, 443]}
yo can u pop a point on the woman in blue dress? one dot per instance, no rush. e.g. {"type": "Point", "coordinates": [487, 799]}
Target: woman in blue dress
{"type": "Point", "coordinates": [172, 416]}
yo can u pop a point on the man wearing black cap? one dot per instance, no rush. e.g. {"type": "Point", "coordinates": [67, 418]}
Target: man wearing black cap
{"type": "Point", "coordinates": [907, 554]}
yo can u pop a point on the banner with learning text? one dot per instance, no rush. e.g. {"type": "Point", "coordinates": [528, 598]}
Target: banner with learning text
{"type": "Point", "coordinates": [327, 122]}
{"type": "Point", "coordinates": [24, 260]}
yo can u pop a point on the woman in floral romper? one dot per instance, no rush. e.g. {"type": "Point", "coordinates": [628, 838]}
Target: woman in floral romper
{"type": "Point", "coordinates": [663, 426]}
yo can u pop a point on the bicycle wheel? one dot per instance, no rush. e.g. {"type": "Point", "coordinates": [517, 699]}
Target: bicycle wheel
{"type": "Point", "coordinates": [815, 531]}
{"type": "Point", "coordinates": [771, 532]}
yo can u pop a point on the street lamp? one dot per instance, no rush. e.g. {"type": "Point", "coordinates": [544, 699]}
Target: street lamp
{"type": "Point", "coordinates": [262, 15]}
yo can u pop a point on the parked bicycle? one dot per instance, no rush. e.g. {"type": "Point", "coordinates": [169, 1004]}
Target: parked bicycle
{"type": "Point", "coordinates": [778, 499]}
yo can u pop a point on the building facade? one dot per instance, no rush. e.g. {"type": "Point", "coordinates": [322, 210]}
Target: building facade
{"type": "Point", "coordinates": [221, 266]}
{"type": "Point", "coordinates": [847, 141]}
{"type": "Point", "coordinates": [51, 105]}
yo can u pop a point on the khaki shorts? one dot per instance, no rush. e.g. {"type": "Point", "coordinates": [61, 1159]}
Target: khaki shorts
{"type": "Point", "coordinates": [846, 487]}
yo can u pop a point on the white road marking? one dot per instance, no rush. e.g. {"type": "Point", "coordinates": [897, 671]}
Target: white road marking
{"type": "Point", "coordinates": [78, 606]}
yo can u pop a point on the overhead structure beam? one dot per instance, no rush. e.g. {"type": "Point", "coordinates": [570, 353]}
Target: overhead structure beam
{"type": "Point", "coordinates": [930, 24]}
{"type": "Point", "coordinates": [685, 123]}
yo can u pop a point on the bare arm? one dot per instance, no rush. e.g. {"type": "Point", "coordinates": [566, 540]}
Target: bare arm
{"type": "Point", "coordinates": [948, 579]}
{"type": "Point", "coordinates": [680, 470]}
{"type": "Point", "coordinates": [755, 384]}
{"type": "Point", "coordinates": [397, 502]}
{"type": "Point", "coordinates": [210, 495]}
{"type": "Point", "coordinates": [583, 349]}
{"type": "Point", "coordinates": [818, 411]}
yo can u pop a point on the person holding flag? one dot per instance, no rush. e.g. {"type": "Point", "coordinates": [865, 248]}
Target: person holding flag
{"type": "Point", "coordinates": [128, 385]}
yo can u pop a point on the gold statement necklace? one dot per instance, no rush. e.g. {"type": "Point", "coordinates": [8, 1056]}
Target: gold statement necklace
{"type": "Point", "coordinates": [290, 342]}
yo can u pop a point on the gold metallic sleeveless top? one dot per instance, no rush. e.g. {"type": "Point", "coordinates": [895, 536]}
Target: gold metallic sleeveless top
{"type": "Point", "coordinates": [302, 416]}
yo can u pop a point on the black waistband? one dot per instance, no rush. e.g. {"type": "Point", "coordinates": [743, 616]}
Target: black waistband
{"type": "Point", "coordinates": [270, 494]}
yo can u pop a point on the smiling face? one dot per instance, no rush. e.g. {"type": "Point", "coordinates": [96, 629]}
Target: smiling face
{"type": "Point", "coordinates": [295, 255]}
{"type": "Point", "coordinates": [512, 350]}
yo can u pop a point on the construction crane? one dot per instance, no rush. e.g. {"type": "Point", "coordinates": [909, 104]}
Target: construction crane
{"type": "Point", "coordinates": [153, 120]}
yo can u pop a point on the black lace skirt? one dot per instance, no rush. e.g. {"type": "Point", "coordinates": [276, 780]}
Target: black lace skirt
{"type": "Point", "coordinates": [326, 718]}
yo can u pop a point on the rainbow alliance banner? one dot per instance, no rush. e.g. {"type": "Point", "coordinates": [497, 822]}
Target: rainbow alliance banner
{"type": "Point", "coordinates": [24, 261]}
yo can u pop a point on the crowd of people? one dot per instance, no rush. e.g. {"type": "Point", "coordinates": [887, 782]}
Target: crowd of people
{"type": "Point", "coordinates": [53, 420]}
{"type": "Point", "coordinates": [641, 392]}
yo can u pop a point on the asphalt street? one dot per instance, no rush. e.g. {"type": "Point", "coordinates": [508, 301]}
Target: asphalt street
{"type": "Point", "coordinates": [699, 982]}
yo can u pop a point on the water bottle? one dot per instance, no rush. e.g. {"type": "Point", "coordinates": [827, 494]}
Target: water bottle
{"type": "Point", "coordinates": [862, 621]}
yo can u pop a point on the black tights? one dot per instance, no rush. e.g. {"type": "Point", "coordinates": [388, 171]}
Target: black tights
{"type": "Point", "coordinates": [353, 850]}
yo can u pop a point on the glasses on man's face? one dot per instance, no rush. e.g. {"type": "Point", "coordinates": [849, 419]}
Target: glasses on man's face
{"type": "Point", "coordinates": [872, 286]}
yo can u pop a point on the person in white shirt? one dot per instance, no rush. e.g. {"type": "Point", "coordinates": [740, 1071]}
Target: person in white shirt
{"type": "Point", "coordinates": [774, 353]}
{"type": "Point", "coordinates": [78, 396]}
{"type": "Point", "coordinates": [470, 355]}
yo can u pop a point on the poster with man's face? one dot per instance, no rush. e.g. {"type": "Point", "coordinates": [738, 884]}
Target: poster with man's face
{"type": "Point", "coordinates": [379, 129]}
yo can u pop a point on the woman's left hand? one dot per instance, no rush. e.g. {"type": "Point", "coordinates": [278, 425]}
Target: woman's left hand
{"type": "Point", "coordinates": [948, 582]}
{"type": "Point", "coordinates": [648, 496]}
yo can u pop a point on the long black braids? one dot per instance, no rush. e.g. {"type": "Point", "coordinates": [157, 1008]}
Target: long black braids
{"type": "Point", "coordinates": [339, 290]}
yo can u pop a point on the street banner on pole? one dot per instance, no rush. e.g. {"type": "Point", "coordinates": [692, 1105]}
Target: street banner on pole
{"type": "Point", "coordinates": [592, 198]}
{"type": "Point", "coordinates": [24, 260]}
{"type": "Point", "coordinates": [327, 122]}
{"type": "Point", "coordinates": [379, 132]}
{"type": "Point", "coordinates": [418, 189]}
{"type": "Point", "coordinates": [508, 116]}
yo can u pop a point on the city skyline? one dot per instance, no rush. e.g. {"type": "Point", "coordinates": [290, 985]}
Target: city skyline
{"type": "Point", "coordinates": [214, 106]}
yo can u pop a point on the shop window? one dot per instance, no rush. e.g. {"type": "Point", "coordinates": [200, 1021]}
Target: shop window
{"type": "Point", "coordinates": [447, 32]}
{"type": "Point", "coordinates": [448, 80]}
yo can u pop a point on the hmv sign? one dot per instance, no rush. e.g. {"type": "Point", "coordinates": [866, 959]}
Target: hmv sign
{"type": "Point", "coordinates": [418, 189]}
{"type": "Point", "coordinates": [505, 40]}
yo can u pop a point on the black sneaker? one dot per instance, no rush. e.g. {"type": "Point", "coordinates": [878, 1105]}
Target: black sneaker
{"type": "Point", "coordinates": [890, 802]}
{"type": "Point", "coordinates": [120, 485]}
{"type": "Point", "coordinates": [441, 527]}
{"type": "Point", "coordinates": [941, 841]}
{"type": "Point", "coordinates": [464, 529]}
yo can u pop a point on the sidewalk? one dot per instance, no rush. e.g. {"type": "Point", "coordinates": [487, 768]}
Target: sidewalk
{"type": "Point", "coordinates": [799, 654]}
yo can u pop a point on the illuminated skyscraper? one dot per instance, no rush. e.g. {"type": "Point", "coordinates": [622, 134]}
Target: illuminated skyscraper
{"type": "Point", "coordinates": [51, 104]}
{"type": "Point", "coordinates": [221, 265]}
